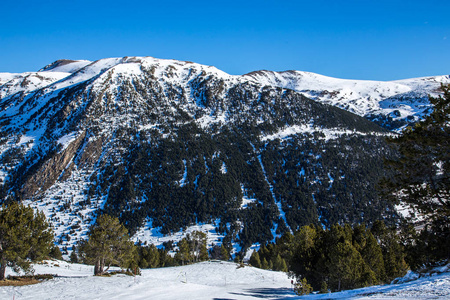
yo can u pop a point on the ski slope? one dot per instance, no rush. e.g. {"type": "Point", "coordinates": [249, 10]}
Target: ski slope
{"type": "Point", "coordinates": [206, 280]}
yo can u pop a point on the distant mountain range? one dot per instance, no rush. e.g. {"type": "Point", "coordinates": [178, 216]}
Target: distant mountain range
{"type": "Point", "coordinates": [168, 146]}
{"type": "Point", "coordinates": [391, 104]}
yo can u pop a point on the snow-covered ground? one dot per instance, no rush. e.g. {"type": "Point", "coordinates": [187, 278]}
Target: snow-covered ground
{"type": "Point", "coordinates": [207, 280]}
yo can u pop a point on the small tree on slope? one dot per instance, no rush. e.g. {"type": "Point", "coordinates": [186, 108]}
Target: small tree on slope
{"type": "Point", "coordinates": [108, 244]}
{"type": "Point", "coordinates": [25, 237]}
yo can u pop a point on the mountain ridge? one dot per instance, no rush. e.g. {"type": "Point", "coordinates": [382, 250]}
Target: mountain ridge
{"type": "Point", "coordinates": [392, 104]}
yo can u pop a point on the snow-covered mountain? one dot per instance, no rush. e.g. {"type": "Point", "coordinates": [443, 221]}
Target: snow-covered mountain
{"type": "Point", "coordinates": [171, 146]}
{"type": "Point", "coordinates": [392, 104]}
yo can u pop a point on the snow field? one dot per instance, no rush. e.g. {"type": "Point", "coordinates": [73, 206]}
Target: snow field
{"type": "Point", "coordinates": [206, 280]}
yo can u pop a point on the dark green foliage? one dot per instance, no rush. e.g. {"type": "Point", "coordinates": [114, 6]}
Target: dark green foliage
{"type": "Point", "coordinates": [254, 260]}
{"type": "Point", "coordinates": [324, 288]}
{"type": "Point", "coordinates": [152, 257]}
{"type": "Point", "coordinates": [108, 244]}
{"type": "Point", "coordinates": [345, 264]}
{"type": "Point", "coordinates": [192, 248]}
{"type": "Point", "coordinates": [183, 254]}
{"type": "Point", "coordinates": [73, 256]}
{"type": "Point", "coordinates": [25, 237]}
{"type": "Point", "coordinates": [338, 258]}
{"type": "Point", "coordinates": [279, 264]}
{"type": "Point", "coordinates": [428, 246]}
{"type": "Point", "coordinates": [302, 287]}
{"type": "Point", "coordinates": [366, 244]}
{"type": "Point", "coordinates": [392, 249]}
{"type": "Point", "coordinates": [179, 182]}
{"type": "Point", "coordinates": [421, 180]}
{"type": "Point", "coordinates": [224, 252]}
{"type": "Point", "coordinates": [55, 253]}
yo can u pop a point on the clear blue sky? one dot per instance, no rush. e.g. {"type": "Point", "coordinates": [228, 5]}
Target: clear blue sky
{"type": "Point", "coordinates": [357, 39]}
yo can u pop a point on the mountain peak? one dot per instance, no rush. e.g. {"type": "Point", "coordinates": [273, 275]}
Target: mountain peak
{"type": "Point", "coordinates": [65, 65]}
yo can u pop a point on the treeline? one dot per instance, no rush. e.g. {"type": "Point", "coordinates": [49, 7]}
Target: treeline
{"type": "Point", "coordinates": [337, 258]}
{"type": "Point", "coordinates": [109, 244]}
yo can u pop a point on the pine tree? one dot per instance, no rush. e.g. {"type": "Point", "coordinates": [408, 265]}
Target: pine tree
{"type": "Point", "coordinates": [302, 287]}
{"type": "Point", "coordinates": [279, 264]}
{"type": "Point", "coordinates": [225, 255]}
{"type": "Point", "coordinates": [345, 262]}
{"type": "Point", "coordinates": [73, 255]}
{"type": "Point", "coordinates": [305, 260]}
{"type": "Point", "coordinates": [108, 244]}
{"type": "Point", "coordinates": [370, 250]}
{"type": "Point", "coordinates": [324, 287]}
{"type": "Point", "coordinates": [25, 237]}
{"type": "Point", "coordinates": [152, 256]}
{"type": "Point", "coordinates": [183, 254]}
{"type": "Point", "coordinates": [55, 253]}
{"type": "Point", "coordinates": [198, 241]}
{"type": "Point", "coordinates": [392, 249]}
{"type": "Point", "coordinates": [264, 264]}
{"type": "Point", "coordinates": [255, 260]}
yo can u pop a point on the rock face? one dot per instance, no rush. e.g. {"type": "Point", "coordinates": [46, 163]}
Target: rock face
{"type": "Point", "coordinates": [165, 145]}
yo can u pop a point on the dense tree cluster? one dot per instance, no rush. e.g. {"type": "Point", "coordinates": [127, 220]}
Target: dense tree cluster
{"type": "Point", "coordinates": [192, 248]}
{"type": "Point", "coordinates": [338, 258]}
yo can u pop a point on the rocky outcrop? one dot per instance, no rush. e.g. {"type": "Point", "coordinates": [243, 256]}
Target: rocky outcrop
{"type": "Point", "coordinates": [52, 169]}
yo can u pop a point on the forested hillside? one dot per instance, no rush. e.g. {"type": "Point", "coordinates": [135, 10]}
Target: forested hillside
{"type": "Point", "coordinates": [168, 144]}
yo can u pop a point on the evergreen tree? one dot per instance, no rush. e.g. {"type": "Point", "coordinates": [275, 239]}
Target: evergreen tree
{"type": "Point", "coordinates": [183, 254]}
{"type": "Point", "coordinates": [345, 262]}
{"type": "Point", "coordinates": [152, 256]}
{"type": "Point", "coordinates": [302, 287]}
{"type": "Point", "coordinates": [309, 255]}
{"type": "Point", "coordinates": [73, 255]}
{"type": "Point", "coordinates": [108, 244]}
{"type": "Point", "coordinates": [198, 242]}
{"type": "Point", "coordinates": [392, 249]}
{"type": "Point", "coordinates": [25, 237]}
{"type": "Point", "coordinates": [279, 264]}
{"type": "Point", "coordinates": [324, 287]}
{"type": "Point", "coordinates": [224, 253]}
{"type": "Point", "coordinates": [264, 264]}
{"type": "Point", "coordinates": [255, 260]}
{"type": "Point", "coordinates": [370, 250]}
{"type": "Point", "coordinates": [55, 253]}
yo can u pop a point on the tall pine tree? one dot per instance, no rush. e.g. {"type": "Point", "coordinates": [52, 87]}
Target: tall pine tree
{"type": "Point", "coordinates": [25, 237]}
{"type": "Point", "coordinates": [108, 244]}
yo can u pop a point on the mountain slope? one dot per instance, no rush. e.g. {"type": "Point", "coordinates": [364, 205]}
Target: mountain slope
{"type": "Point", "coordinates": [165, 145]}
{"type": "Point", "coordinates": [391, 104]}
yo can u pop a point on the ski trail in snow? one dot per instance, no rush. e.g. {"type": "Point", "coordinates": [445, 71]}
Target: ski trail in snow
{"type": "Point", "coordinates": [278, 203]}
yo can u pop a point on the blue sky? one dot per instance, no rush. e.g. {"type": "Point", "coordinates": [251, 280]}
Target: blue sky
{"type": "Point", "coordinates": [356, 39]}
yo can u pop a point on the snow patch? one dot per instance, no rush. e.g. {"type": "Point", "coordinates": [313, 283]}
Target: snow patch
{"type": "Point", "coordinates": [67, 139]}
